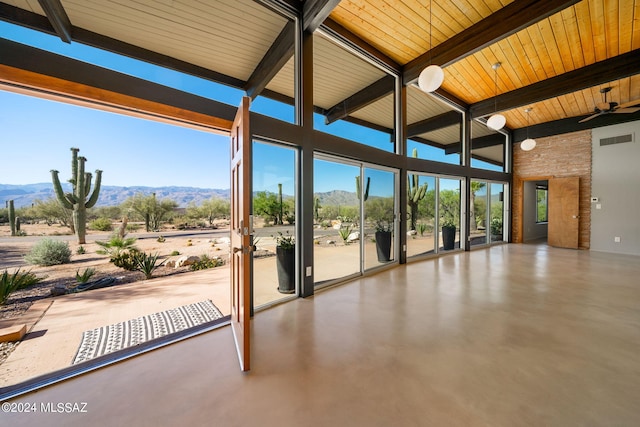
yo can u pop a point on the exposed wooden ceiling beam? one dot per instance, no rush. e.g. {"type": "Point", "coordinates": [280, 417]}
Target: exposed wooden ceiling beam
{"type": "Point", "coordinates": [314, 12]}
{"type": "Point", "coordinates": [615, 68]}
{"type": "Point", "coordinates": [512, 18]}
{"type": "Point", "coordinates": [58, 17]}
{"type": "Point", "coordinates": [360, 99]}
{"type": "Point", "coordinates": [272, 62]}
{"type": "Point", "coordinates": [440, 121]}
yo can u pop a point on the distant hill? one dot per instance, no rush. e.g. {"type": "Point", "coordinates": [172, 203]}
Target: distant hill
{"type": "Point", "coordinates": [338, 198]}
{"type": "Point", "coordinates": [25, 195]}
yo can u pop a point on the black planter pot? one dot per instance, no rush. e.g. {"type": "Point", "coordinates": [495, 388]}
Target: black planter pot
{"type": "Point", "coordinates": [448, 238]}
{"type": "Point", "coordinates": [383, 245]}
{"type": "Point", "coordinates": [286, 267]}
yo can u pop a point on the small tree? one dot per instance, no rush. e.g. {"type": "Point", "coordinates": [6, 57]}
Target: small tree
{"type": "Point", "coordinates": [51, 211]}
{"type": "Point", "coordinates": [210, 209]}
{"type": "Point", "coordinates": [266, 205]}
{"type": "Point", "coordinates": [148, 208]}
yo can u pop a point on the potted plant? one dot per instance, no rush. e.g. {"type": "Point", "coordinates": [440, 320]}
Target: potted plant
{"type": "Point", "coordinates": [286, 262]}
{"type": "Point", "coordinates": [496, 229]}
{"type": "Point", "coordinates": [448, 234]}
{"type": "Point", "coordinates": [383, 240]}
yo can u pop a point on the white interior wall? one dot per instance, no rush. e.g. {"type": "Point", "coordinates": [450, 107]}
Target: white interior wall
{"type": "Point", "coordinates": [615, 181]}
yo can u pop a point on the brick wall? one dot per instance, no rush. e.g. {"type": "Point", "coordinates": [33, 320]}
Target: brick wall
{"type": "Point", "coordinates": [555, 157]}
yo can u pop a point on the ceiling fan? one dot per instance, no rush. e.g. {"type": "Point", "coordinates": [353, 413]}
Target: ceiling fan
{"type": "Point", "coordinates": [612, 107]}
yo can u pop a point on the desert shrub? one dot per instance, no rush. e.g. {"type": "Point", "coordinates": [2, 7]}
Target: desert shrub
{"type": "Point", "coordinates": [147, 264]}
{"type": "Point", "coordinates": [127, 259]}
{"type": "Point", "coordinates": [133, 227]}
{"type": "Point", "coordinates": [85, 275]}
{"type": "Point", "coordinates": [161, 239]}
{"type": "Point", "coordinates": [49, 252]}
{"type": "Point", "coordinates": [174, 253]}
{"type": "Point", "coordinates": [421, 227]}
{"type": "Point", "coordinates": [80, 250]}
{"type": "Point", "coordinates": [345, 232]}
{"type": "Point", "coordinates": [115, 245]}
{"type": "Point", "coordinates": [101, 224]}
{"type": "Point", "coordinates": [206, 262]}
{"type": "Point", "coordinates": [12, 282]}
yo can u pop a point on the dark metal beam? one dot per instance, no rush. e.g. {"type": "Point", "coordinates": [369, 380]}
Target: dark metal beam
{"type": "Point", "coordinates": [512, 18]}
{"type": "Point", "coordinates": [615, 68]}
{"type": "Point", "coordinates": [476, 143]}
{"type": "Point", "coordinates": [58, 18]}
{"type": "Point", "coordinates": [571, 124]}
{"type": "Point", "coordinates": [38, 61]}
{"type": "Point", "coordinates": [440, 121]}
{"type": "Point", "coordinates": [314, 12]}
{"type": "Point", "coordinates": [360, 99]}
{"type": "Point", "coordinates": [276, 57]}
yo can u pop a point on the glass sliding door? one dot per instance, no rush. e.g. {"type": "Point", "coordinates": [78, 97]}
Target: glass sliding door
{"type": "Point", "coordinates": [449, 220]}
{"type": "Point", "coordinates": [421, 214]}
{"type": "Point", "coordinates": [336, 238]}
{"type": "Point", "coordinates": [497, 212]}
{"type": "Point", "coordinates": [274, 214]}
{"type": "Point", "coordinates": [478, 222]}
{"type": "Point", "coordinates": [378, 194]}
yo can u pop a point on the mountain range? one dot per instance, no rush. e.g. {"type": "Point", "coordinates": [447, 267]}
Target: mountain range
{"type": "Point", "coordinates": [25, 195]}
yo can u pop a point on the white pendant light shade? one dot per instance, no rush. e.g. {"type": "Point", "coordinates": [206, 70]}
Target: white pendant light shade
{"type": "Point", "coordinates": [528, 144]}
{"type": "Point", "coordinates": [431, 78]}
{"type": "Point", "coordinates": [496, 122]}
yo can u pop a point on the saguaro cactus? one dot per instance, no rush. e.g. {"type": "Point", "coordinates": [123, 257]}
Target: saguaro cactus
{"type": "Point", "coordinates": [366, 191]}
{"type": "Point", "coordinates": [77, 200]}
{"type": "Point", "coordinates": [12, 218]}
{"type": "Point", "coordinates": [415, 193]}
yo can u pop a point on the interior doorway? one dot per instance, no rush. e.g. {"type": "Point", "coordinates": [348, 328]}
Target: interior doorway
{"type": "Point", "coordinates": [549, 211]}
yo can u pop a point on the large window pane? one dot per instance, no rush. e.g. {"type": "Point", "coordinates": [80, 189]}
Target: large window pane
{"type": "Point", "coordinates": [379, 214]}
{"type": "Point", "coordinates": [434, 128]}
{"type": "Point", "coordinates": [274, 208]}
{"type": "Point", "coordinates": [421, 208]}
{"type": "Point", "coordinates": [478, 213]}
{"type": "Point", "coordinates": [487, 148]}
{"type": "Point", "coordinates": [338, 74]}
{"type": "Point", "coordinates": [497, 212]}
{"type": "Point", "coordinates": [449, 213]}
{"type": "Point", "coordinates": [337, 210]}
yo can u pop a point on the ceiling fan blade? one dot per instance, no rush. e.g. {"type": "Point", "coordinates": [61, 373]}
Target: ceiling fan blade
{"type": "Point", "coordinates": [586, 119]}
{"type": "Point", "coordinates": [635, 103]}
{"type": "Point", "coordinates": [627, 110]}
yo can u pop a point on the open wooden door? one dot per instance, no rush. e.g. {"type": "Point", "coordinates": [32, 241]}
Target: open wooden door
{"type": "Point", "coordinates": [241, 229]}
{"type": "Point", "coordinates": [564, 212]}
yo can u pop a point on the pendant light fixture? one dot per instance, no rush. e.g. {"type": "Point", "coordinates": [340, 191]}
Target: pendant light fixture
{"type": "Point", "coordinates": [529, 143]}
{"type": "Point", "coordinates": [431, 77]}
{"type": "Point", "coordinates": [496, 121]}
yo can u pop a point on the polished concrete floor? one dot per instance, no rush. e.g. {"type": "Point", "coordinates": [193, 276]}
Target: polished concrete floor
{"type": "Point", "coordinates": [514, 335]}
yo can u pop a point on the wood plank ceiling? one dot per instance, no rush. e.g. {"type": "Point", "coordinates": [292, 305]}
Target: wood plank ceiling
{"type": "Point", "coordinates": [556, 55]}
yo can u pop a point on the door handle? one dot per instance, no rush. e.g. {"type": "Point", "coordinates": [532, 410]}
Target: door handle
{"type": "Point", "coordinates": [245, 250]}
